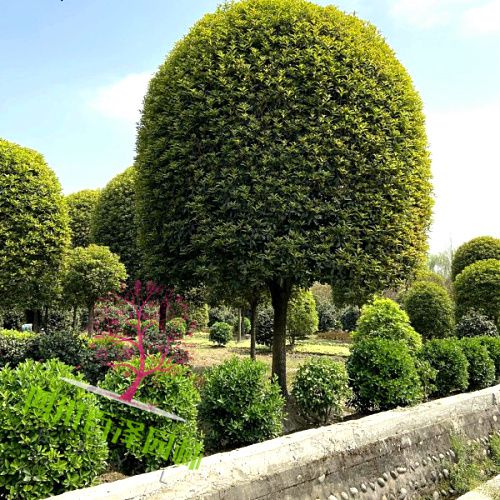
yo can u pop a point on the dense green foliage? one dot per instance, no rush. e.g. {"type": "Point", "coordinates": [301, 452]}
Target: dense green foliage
{"type": "Point", "coordinates": [115, 224]}
{"type": "Point", "coordinates": [446, 356]}
{"type": "Point", "coordinates": [474, 324]}
{"type": "Point", "coordinates": [321, 389]}
{"type": "Point", "coordinates": [81, 207]}
{"type": "Point", "coordinates": [33, 227]}
{"type": "Point", "coordinates": [91, 273]}
{"type": "Point", "coordinates": [172, 391]}
{"type": "Point", "coordinates": [349, 318]}
{"type": "Point", "coordinates": [481, 365]}
{"type": "Point", "coordinates": [430, 309]}
{"type": "Point", "coordinates": [239, 405]}
{"type": "Point", "coordinates": [481, 248]}
{"type": "Point", "coordinates": [328, 317]}
{"type": "Point", "coordinates": [16, 346]}
{"type": "Point", "coordinates": [67, 347]}
{"type": "Point", "coordinates": [199, 314]}
{"type": "Point", "coordinates": [493, 346]}
{"type": "Point", "coordinates": [282, 143]}
{"type": "Point", "coordinates": [221, 333]}
{"type": "Point", "coordinates": [39, 458]}
{"type": "Point", "coordinates": [302, 319]}
{"type": "Point", "coordinates": [265, 319]}
{"type": "Point", "coordinates": [383, 318]}
{"type": "Point", "coordinates": [383, 375]}
{"type": "Point", "coordinates": [222, 314]}
{"type": "Point", "coordinates": [478, 287]}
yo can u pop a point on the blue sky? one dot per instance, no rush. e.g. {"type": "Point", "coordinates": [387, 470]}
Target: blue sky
{"type": "Point", "coordinates": [73, 74]}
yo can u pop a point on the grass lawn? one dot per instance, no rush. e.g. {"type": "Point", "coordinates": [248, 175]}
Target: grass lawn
{"type": "Point", "coordinates": [205, 354]}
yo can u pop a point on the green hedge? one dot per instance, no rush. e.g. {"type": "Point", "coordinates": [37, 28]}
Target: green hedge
{"type": "Point", "coordinates": [481, 248]}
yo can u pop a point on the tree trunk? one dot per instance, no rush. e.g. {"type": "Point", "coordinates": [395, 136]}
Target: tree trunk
{"type": "Point", "coordinates": [280, 295]}
{"type": "Point", "coordinates": [163, 315]}
{"type": "Point", "coordinates": [239, 324]}
{"type": "Point", "coordinates": [253, 327]}
{"type": "Point", "coordinates": [90, 323]}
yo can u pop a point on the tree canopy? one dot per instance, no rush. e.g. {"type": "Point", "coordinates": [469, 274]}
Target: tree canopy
{"type": "Point", "coordinates": [81, 206]}
{"type": "Point", "coordinates": [114, 223]}
{"type": "Point", "coordinates": [281, 143]}
{"type": "Point", "coordinates": [480, 248]}
{"type": "Point", "coordinates": [33, 227]}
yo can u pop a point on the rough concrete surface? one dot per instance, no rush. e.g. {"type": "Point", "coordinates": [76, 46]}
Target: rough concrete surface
{"type": "Point", "coordinates": [488, 491]}
{"type": "Point", "coordinates": [403, 453]}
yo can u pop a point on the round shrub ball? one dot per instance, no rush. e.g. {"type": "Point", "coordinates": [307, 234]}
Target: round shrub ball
{"type": "Point", "coordinates": [321, 389]}
{"type": "Point", "coordinates": [478, 287]}
{"type": "Point", "coordinates": [384, 319]}
{"type": "Point", "coordinates": [173, 391]}
{"type": "Point", "coordinates": [430, 309]}
{"type": "Point", "coordinates": [481, 366]}
{"type": "Point", "coordinates": [44, 457]}
{"type": "Point", "coordinates": [265, 326]}
{"type": "Point", "coordinates": [446, 356]}
{"type": "Point", "coordinates": [221, 333]}
{"type": "Point", "coordinates": [302, 317]}
{"type": "Point", "coordinates": [383, 375]}
{"type": "Point", "coordinates": [247, 144]}
{"type": "Point", "coordinates": [475, 324]}
{"type": "Point", "coordinates": [68, 347]}
{"type": "Point", "coordinates": [328, 317]}
{"type": "Point", "coordinates": [15, 347]}
{"type": "Point", "coordinates": [493, 346]}
{"type": "Point", "coordinates": [240, 405]}
{"type": "Point", "coordinates": [480, 248]}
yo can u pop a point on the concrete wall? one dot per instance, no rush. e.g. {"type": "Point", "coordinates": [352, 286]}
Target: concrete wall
{"type": "Point", "coordinates": [392, 455]}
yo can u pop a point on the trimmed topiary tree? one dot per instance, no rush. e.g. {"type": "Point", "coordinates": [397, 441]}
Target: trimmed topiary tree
{"type": "Point", "coordinates": [474, 324]}
{"type": "Point", "coordinates": [349, 318]}
{"type": "Point", "coordinates": [91, 273]}
{"type": "Point", "coordinates": [221, 333]}
{"type": "Point", "coordinates": [383, 318]}
{"type": "Point", "coordinates": [46, 455]}
{"type": "Point", "coordinates": [81, 207]}
{"type": "Point", "coordinates": [481, 248]}
{"type": "Point", "coordinates": [240, 405]}
{"type": "Point", "coordinates": [493, 346]}
{"type": "Point", "coordinates": [264, 333]}
{"type": "Point", "coordinates": [115, 225]}
{"type": "Point", "coordinates": [302, 319]}
{"type": "Point", "coordinates": [383, 375]}
{"type": "Point", "coordinates": [282, 143]}
{"type": "Point", "coordinates": [446, 356]}
{"type": "Point", "coordinates": [430, 309]}
{"type": "Point", "coordinates": [33, 227]}
{"type": "Point", "coordinates": [321, 389]}
{"type": "Point", "coordinates": [478, 287]}
{"type": "Point", "coordinates": [481, 366]}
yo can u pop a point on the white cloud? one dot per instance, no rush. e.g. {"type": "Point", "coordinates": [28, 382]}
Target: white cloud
{"type": "Point", "coordinates": [466, 169]}
{"type": "Point", "coordinates": [427, 13]}
{"type": "Point", "coordinates": [122, 100]}
{"type": "Point", "coordinates": [482, 20]}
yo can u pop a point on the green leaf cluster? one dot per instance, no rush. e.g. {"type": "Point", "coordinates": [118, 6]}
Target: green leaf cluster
{"type": "Point", "coordinates": [321, 389]}
{"type": "Point", "coordinates": [115, 224]}
{"type": "Point", "coordinates": [239, 405]}
{"type": "Point", "coordinates": [33, 227]}
{"type": "Point", "coordinates": [493, 346]}
{"type": "Point", "coordinates": [81, 207]}
{"type": "Point", "coordinates": [481, 366]}
{"type": "Point", "coordinates": [221, 333]}
{"type": "Point", "coordinates": [302, 318]}
{"type": "Point", "coordinates": [39, 459]}
{"type": "Point", "coordinates": [16, 346]}
{"type": "Point", "coordinates": [480, 248]}
{"type": "Point", "coordinates": [474, 324]}
{"type": "Point", "coordinates": [430, 309]}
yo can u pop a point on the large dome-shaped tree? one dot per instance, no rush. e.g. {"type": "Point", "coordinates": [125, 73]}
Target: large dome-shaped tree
{"type": "Point", "coordinates": [81, 206]}
{"type": "Point", "coordinates": [282, 142]}
{"type": "Point", "coordinates": [34, 230]}
{"type": "Point", "coordinates": [114, 223]}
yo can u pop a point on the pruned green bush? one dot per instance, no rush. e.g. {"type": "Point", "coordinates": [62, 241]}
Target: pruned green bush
{"type": "Point", "coordinates": [40, 458]}
{"type": "Point", "coordinates": [480, 248]}
{"type": "Point", "coordinates": [81, 208]}
{"type": "Point", "coordinates": [264, 332]}
{"type": "Point", "coordinates": [493, 346]}
{"type": "Point", "coordinates": [481, 366]}
{"type": "Point", "coordinates": [446, 356]}
{"type": "Point", "coordinates": [68, 347]}
{"type": "Point", "coordinates": [220, 333]}
{"type": "Point", "coordinates": [199, 314]}
{"type": "Point", "coordinates": [321, 389]}
{"type": "Point", "coordinates": [240, 405]}
{"type": "Point", "coordinates": [478, 287]}
{"type": "Point", "coordinates": [475, 324]}
{"type": "Point", "coordinates": [15, 347]}
{"type": "Point", "coordinates": [430, 309]}
{"type": "Point", "coordinates": [173, 391]}
{"type": "Point", "coordinates": [383, 375]}
{"type": "Point", "coordinates": [302, 318]}
{"type": "Point", "coordinates": [384, 319]}
{"type": "Point", "coordinates": [349, 318]}
{"type": "Point", "coordinates": [427, 375]}
{"type": "Point", "coordinates": [328, 317]}
{"type": "Point", "coordinates": [222, 314]}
